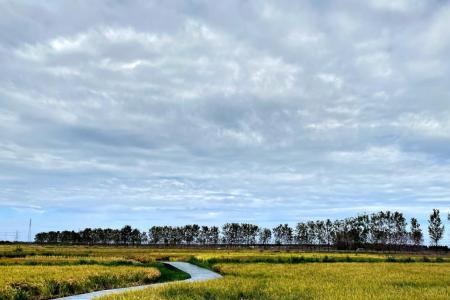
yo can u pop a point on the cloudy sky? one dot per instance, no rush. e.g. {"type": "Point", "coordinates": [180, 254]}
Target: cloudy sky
{"type": "Point", "coordinates": [174, 112]}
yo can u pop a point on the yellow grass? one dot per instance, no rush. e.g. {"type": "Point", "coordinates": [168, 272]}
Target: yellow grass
{"type": "Point", "coordinates": [43, 282]}
{"type": "Point", "coordinates": [312, 281]}
{"type": "Point", "coordinates": [55, 260]}
{"type": "Point", "coordinates": [153, 254]}
{"type": "Point", "coordinates": [42, 272]}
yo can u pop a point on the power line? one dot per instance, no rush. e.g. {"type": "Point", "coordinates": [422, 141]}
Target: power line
{"type": "Point", "coordinates": [11, 236]}
{"type": "Point", "coordinates": [16, 235]}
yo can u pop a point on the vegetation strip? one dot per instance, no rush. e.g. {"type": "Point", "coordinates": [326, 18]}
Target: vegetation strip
{"type": "Point", "coordinates": [384, 230]}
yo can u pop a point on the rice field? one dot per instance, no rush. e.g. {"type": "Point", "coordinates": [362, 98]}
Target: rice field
{"type": "Point", "coordinates": [146, 255]}
{"type": "Point", "coordinates": [34, 272]}
{"type": "Point", "coordinates": [44, 272]}
{"type": "Point", "coordinates": [44, 282]}
{"type": "Point", "coordinates": [64, 260]}
{"type": "Point", "coordinates": [311, 281]}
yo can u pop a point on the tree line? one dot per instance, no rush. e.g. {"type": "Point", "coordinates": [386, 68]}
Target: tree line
{"type": "Point", "coordinates": [381, 228]}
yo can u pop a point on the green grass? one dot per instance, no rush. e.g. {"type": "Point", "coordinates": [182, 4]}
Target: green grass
{"type": "Point", "coordinates": [169, 273]}
{"type": "Point", "coordinates": [298, 259]}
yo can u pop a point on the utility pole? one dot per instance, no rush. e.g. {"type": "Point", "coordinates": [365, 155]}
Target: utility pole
{"type": "Point", "coordinates": [29, 232]}
{"type": "Point", "coordinates": [17, 236]}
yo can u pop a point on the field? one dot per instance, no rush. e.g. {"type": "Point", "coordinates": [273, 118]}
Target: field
{"type": "Point", "coordinates": [29, 272]}
{"type": "Point", "coordinates": [43, 272]}
{"type": "Point", "coordinates": [43, 282]}
{"type": "Point", "coordinates": [312, 281]}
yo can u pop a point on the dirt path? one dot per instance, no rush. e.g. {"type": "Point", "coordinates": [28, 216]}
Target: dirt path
{"type": "Point", "coordinates": [196, 273]}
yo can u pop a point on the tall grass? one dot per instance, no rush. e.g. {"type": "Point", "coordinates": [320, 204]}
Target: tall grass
{"type": "Point", "coordinates": [147, 255]}
{"type": "Point", "coordinates": [265, 281]}
{"type": "Point", "coordinates": [44, 282]}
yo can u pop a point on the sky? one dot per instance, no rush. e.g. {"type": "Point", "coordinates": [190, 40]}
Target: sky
{"type": "Point", "coordinates": [178, 112]}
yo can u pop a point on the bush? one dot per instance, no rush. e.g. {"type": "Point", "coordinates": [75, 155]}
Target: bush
{"type": "Point", "coordinates": [407, 260]}
{"type": "Point", "coordinates": [391, 259]}
{"type": "Point", "coordinates": [328, 259]}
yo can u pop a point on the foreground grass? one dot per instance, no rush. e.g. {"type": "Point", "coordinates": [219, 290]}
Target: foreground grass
{"type": "Point", "coordinates": [311, 281]}
{"type": "Point", "coordinates": [44, 282]}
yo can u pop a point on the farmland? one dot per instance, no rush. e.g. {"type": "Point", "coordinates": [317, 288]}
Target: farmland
{"type": "Point", "coordinates": [42, 282]}
{"type": "Point", "coordinates": [29, 272]}
{"type": "Point", "coordinates": [312, 281]}
{"type": "Point", "coordinates": [43, 272]}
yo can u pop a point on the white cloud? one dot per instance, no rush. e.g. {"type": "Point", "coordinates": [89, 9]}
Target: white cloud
{"type": "Point", "coordinates": [377, 64]}
{"type": "Point", "coordinates": [331, 78]}
{"type": "Point", "coordinates": [402, 6]}
{"type": "Point", "coordinates": [372, 155]}
{"type": "Point", "coordinates": [233, 111]}
{"type": "Point", "coordinates": [437, 125]}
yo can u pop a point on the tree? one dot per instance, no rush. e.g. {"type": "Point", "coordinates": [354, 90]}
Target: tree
{"type": "Point", "coordinates": [379, 227]}
{"type": "Point", "coordinates": [387, 228]}
{"type": "Point", "coordinates": [155, 235]}
{"type": "Point", "coordinates": [125, 234]}
{"type": "Point", "coordinates": [67, 237]}
{"type": "Point", "coordinates": [97, 235]}
{"type": "Point", "coordinates": [264, 236]}
{"type": "Point", "coordinates": [352, 232]}
{"type": "Point", "coordinates": [329, 231]}
{"type": "Point", "coordinates": [116, 236]}
{"type": "Point", "coordinates": [191, 233]}
{"type": "Point", "coordinates": [416, 234]}
{"type": "Point", "coordinates": [320, 232]}
{"type": "Point", "coordinates": [278, 234]}
{"type": "Point", "coordinates": [249, 232]}
{"type": "Point", "coordinates": [435, 227]}
{"type": "Point", "coordinates": [448, 217]}
{"type": "Point", "coordinates": [41, 238]}
{"type": "Point", "coordinates": [203, 235]}
{"type": "Point", "coordinates": [302, 234]}
{"type": "Point", "coordinates": [213, 235]}
{"type": "Point", "coordinates": [144, 237]}
{"type": "Point", "coordinates": [400, 235]}
{"type": "Point", "coordinates": [312, 231]}
{"type": "Point", "coordinates": [208, 235]}
{"type": "Point", "coordinates": [136, 237]}
{"type": "Point", "coordinates": [282, 234]}
{"type": "Point", "coordinates": [109, 236]}
{"type": "Point", "coordinates": [231, 233]}
{"type": "Point", "coordinates": [86, 236]}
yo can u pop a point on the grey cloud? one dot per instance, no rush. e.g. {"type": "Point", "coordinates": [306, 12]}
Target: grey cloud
{"type": "Point", "coordinates": [266, 111]}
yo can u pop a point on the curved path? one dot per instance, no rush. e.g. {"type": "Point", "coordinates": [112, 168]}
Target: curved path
{"type": "Point", "coordinates": [196, 273]}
